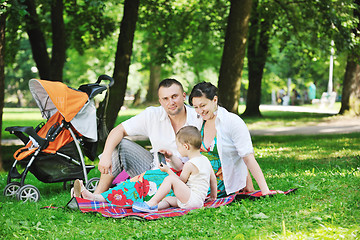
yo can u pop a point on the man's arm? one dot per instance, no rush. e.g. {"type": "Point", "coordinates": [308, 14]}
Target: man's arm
{"type": "Point", "coordinates": [114, 138]}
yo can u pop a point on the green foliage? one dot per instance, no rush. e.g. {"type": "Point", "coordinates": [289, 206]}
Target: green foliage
{"type": "Point", "coordinates": [18, 75]}
{"type": "Point", "coordinates": [87, 24]}
{"type": "Point", "coordinates": [186, 38]}
{"type": "Point", "coordinates": [188, 32]}
{"type": "Point", "coordinates": [300, 46]}
{"type": "Point", "coordinates": [15, 12]}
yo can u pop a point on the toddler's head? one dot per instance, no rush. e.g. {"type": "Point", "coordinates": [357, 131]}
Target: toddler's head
{"type": "Point", "coordinates": [189, 138]}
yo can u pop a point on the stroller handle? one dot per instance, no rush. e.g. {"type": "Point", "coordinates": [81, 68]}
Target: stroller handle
{"type": "Point", "coordinates": [105, 77]}
{"type": "Point", "coordinates": [94, 89]}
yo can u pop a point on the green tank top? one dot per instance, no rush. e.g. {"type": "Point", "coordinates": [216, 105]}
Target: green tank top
{"type": "Point", "coordinates": [213, 155]}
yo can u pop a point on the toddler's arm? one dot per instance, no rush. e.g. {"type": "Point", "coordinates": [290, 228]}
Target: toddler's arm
{"type": "Point", "coordinates": [175, 161]}
{"type": "Point", "coordinates": [188, 169]}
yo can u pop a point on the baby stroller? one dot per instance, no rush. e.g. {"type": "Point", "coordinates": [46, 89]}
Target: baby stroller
{"type": "Point", "coordinates": [53, 150]}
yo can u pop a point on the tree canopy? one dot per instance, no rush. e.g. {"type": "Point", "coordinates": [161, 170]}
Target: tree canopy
{"type": "Point", "coordinates": [182, 39]}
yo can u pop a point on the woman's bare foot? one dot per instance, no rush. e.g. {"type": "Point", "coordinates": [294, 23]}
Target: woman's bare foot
{"type": "Point", "coordinates": [270, 192]}
{"type": "Point", "coordinates": [248, 189]}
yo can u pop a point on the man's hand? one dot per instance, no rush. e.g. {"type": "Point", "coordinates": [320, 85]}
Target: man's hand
{"type": "Point", "coordinates": [105, 165]}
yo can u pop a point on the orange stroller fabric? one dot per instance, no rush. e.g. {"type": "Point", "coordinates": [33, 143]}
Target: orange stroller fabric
{"type": "Point", "coordinates": [63, 138]}
{"type": "Point", "coordinates": [67, 100]}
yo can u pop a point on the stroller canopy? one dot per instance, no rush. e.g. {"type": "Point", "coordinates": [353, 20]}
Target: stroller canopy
{"type": "Point", "coordinates": [73, 105]}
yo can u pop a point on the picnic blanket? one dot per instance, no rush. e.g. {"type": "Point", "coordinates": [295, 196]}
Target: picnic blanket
{"type": "Point", "coordinates": [114, 211]}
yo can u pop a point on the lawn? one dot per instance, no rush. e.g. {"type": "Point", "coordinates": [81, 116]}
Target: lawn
{"type": "Point", "coordinates": [324, 168]}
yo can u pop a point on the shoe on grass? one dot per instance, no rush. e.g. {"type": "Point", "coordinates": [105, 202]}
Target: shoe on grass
{"type": "Point", "coordinates": [140, 207]}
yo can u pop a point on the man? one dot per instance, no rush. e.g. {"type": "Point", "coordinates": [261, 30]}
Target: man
{"type": "Point", "coordinates": [159, 124]}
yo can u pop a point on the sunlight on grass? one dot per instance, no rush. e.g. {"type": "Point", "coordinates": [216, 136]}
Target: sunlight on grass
{"type": "Point", "coordinates": [324, 168]}
{"type": "Point", "coordinates": [15, 114]}
{"type": "Point", "coordinates": [323, 231]}
{"type": "Point", "coordinates": [131, 111]}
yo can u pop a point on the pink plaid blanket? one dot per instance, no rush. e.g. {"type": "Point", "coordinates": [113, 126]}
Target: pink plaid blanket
{"type": "Point", "coordinates": [114, 211]}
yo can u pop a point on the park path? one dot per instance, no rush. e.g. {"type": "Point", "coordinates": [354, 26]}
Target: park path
{"type": "Point", "coordinates": [336, 124]}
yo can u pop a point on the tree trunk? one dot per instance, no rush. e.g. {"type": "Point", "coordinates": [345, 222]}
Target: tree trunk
{"type": "Point", "coordinates": [2, 74]}
{"type": "Point", "coordinates": [234, 52]}
{"type": "Point", "coordinates": [37, 41]}
{"type": "Point", "coordinates": [122, 60]}
{"type": "Point", "coordinates": [350, 99]}
{"type": "Point", "coordinates": [58, 40]}
{"type": "Point", "coordinates": [258, 46]}
{"type": "Point", "coordinates": [155, 76]}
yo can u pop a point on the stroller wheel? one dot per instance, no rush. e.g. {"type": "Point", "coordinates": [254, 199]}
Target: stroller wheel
{"type": "Point", "coordinates": [28, 193]}
{"type": "Point", "coordinates": [68, 185]}
{"type": "Point", "coordinates": [11, 189]}
{"type": "Point", "coordinates": [92, 184]}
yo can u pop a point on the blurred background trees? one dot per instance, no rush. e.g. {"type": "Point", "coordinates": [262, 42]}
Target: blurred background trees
{"type": "Point", "coordinates": [250, 49]}
{"type": "Point", "coordinates": [75, 41]}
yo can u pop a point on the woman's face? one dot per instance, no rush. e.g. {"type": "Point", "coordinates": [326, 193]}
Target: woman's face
{"type": "Point", "coordinates": [205, 107]}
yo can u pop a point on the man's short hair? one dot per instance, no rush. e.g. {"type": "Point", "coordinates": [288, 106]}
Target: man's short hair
{"type": "Point", "coordinates": [168, 82]}
{"type": "Point", "coordinates": [190, 135]}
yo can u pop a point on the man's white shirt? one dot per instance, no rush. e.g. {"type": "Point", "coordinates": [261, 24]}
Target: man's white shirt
{"type": "Point", "coordinates": [155, 124]}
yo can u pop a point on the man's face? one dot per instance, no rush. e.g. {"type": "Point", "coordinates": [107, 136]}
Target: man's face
{"type": "Point", "coordinates": [172, 99]}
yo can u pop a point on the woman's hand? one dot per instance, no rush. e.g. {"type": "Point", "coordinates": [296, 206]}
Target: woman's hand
{"type": "Point", "coordinates": [212, 196]}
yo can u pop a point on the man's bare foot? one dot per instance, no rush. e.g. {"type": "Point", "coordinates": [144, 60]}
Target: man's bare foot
{"type": "Point", "coordinates": [78, 188]}
{"type": "Point", "coordinates": [80, 191]}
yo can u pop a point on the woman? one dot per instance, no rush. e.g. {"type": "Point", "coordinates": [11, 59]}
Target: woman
{"type": "Point", "coordinates": [227, 140]}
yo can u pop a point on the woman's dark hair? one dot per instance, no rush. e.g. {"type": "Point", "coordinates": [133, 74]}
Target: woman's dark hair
{"type": "Point", "coordinates": [203, 89]}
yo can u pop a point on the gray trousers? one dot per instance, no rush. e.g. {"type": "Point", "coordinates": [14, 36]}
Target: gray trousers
{"type": "Point", "coordinates": [131, 157]}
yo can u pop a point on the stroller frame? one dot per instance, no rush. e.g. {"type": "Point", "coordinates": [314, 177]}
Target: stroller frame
{"type": "Point", "coordinates": [27, 192]}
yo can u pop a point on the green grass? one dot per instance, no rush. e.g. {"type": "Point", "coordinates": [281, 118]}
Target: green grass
{"type": "Point", "coordinates": [325, 168]}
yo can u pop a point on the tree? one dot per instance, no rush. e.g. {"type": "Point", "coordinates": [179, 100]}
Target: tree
{"type": "Point", "coordinates": [350, 100]}
{"type": "Point", "coordinates": [3, 15]}
{"type": "Point", "coordinates": [233, 56]}
{"type": "Point", "coordinates": [86, 26]}
{"type": "Point", "coordinates": [261, 22]}
{"type": "Point", "coordinates": [122, 60]}
{"type": "Point", "coordinates": [299, 31]}
{"type": "Point", "coordinates": [183, 33]}
{"type": "Point", "coordinates": [37, 41]}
